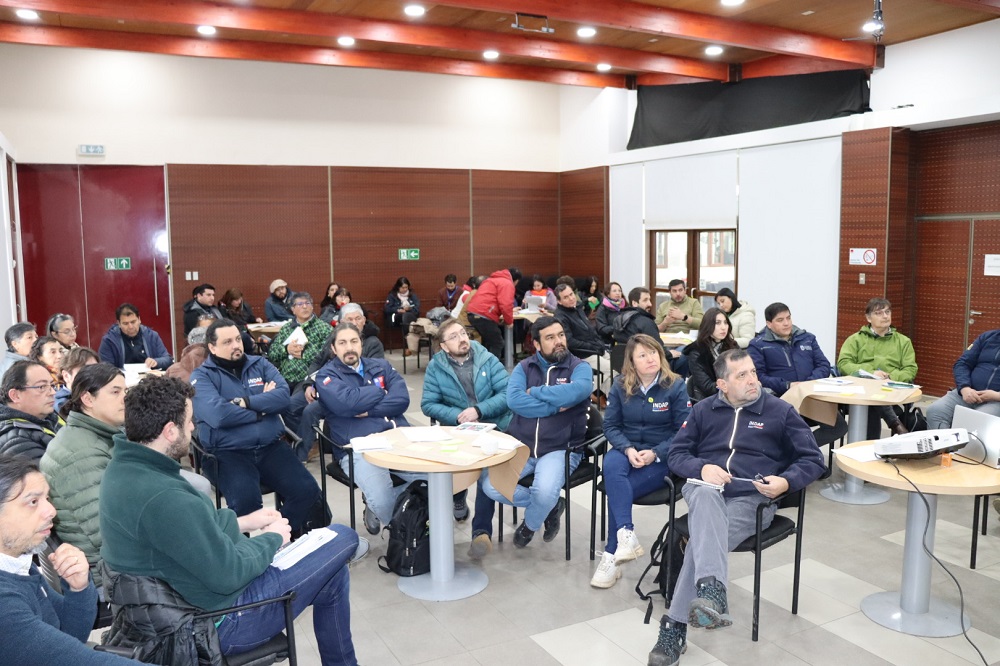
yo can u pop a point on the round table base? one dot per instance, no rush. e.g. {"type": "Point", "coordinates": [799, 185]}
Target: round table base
{"type": "Point", "coordinates": [940, 621]}
{"type": "Point", "coordinates": [854, 493]}
{"type": "Point", "coordinates": [467, 581]}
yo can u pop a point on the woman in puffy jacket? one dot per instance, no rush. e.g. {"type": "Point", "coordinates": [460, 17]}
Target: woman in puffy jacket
{"type": "Point", "coordinates": [742, 316]}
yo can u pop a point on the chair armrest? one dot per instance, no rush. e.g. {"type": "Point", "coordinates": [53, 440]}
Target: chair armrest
{"type": "Point", "coordinates": [285, 599]}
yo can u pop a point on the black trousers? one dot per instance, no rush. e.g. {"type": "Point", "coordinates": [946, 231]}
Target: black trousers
{"type": "Point", "coordinates": [491, 332]}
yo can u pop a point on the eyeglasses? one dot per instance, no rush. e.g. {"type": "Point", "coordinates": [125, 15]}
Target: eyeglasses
{"type": "Point", "coordinates": [301, 304]}
{"type": "Point", "coordinates": [47, 386]}
{"type": "Point", "coordinates": [882, 313]}
{"type": "Point", "coordinates": [462, 334]}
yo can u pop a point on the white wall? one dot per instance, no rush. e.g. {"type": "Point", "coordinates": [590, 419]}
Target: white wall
{"type": "Point", "coordinates": [789, 233]}
{"type": "Point", "coordinates": [8, 313]}
{"type": "Point", "coordinates": [628, 266]}
{"type": "Point", "coordinates": [154, 109]}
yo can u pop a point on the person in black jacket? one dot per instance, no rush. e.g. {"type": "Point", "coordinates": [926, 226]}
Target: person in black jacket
{"type": "Point", "coordinates": [638, 318]}
{"type": "Point", "coordinates": [201, 305]}
{"type": "Point", "coordinates": [28, 421]}
{"type": "Point", "coordinates": [714, 337]}
{"type": "Point", "coordinates": [612, 303]}
{"type": "Point", "coordinates": [581, 338]}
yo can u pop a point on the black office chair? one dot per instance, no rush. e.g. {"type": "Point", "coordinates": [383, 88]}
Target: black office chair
{"type": "Point", "coordinates": [667, 495]}
{"type": "Point", "coordinates": [588, 471]}
{"type": "Point", "coordinates": [780, 529]}
{"type": "Point", "coordinates": [280, 648]}
{"type": "Point", "coordinates": [336, 472]}
{"type": "Point", "coordinates": [423, 343]}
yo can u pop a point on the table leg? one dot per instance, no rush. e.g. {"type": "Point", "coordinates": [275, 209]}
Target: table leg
{"type": "Point", "coordinates": [447, 580]}
{"type": "Point", "coordinates": [508, 348]}
{"type": "Point", "coordinates": [912, 610]}
{"type": "Point", "coordinates": [853, 490]}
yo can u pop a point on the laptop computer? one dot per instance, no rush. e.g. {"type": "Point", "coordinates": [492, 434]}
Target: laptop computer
{"type": "Point", "coordinates": [984, 436]}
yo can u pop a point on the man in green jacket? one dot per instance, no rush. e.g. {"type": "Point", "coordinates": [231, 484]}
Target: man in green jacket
{"type": "Point", "coordinates": [880, 351]}
{"type": "Point", "coordinates": [155, 524]}
{"type": "Point", "coordinates": [465, 383]}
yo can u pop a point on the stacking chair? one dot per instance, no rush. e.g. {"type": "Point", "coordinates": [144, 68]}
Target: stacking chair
{"type": "Point", "coordinates": [588, 471]}
{"type": "Point", "coordinates": [780, 529]}
{"type": "Point", "coordinates": [423, 343]}
{"type": "Point", "coordinates": [279, 648]}
{"type": "Point", "coordinates": [664, 496]}
{"type": "Point", "coordinates": [336, 472]}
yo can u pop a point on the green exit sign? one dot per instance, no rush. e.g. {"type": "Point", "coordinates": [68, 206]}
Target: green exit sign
{"type": "Point", "coordinates": [117, 263]}
{"type": "Point", "coordinates": [409, 254]}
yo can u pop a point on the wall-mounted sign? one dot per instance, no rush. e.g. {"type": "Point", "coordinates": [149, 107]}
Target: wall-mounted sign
{"type": "Point", "coordinates": [863, 256]}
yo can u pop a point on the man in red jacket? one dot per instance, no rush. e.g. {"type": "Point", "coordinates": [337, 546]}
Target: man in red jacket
{"type": "Point", "coordinates": [493, 302]}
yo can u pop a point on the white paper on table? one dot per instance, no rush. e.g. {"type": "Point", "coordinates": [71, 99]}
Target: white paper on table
{"type": "Point", "coordinates": [426, 434]}
{"type": "Point", "coordinates": [291, 554]}
{"type": "Point", "coordinates": [134, 372]}
{"type": "Point", "coordinates": [836, 381]}
{"type": "Point", "coordinates": [371, 443]}
{"type": "Point", "coordinates": [859, 453]}
{"type": "Point", "coordinates": [834, 388]}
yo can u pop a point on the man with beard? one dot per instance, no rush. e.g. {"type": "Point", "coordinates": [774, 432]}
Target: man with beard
{"type": "Point", "coordinates": [41, 626]}
{"type": "Point", "coordinates": [201, 306]}
{"type": "Point", "coordinates": [638, 318]}
{"type": "Point", "coordinates": [363, 396]}
{"type": "Point", "coordinates": [740, 434]}
{"type": "Point", "coordinates": [549, 394]}
{"type": "Point", "coordinates": [155, 525]}
{"type": "Point", "coordinates": [467, 384]}
{"type": "Point", "coordinates": [237, 402]}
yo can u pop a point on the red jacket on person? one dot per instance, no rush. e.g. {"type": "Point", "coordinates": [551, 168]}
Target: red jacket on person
{"type": "Point", "coordinates": [494, 298]}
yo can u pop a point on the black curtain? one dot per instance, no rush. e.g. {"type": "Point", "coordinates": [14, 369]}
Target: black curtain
{"type": "Point", "coordinates": [686, 112]}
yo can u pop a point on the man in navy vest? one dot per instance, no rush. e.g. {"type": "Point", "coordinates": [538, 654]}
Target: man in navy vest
{"type": "Point", "coordinates": [549, 394]}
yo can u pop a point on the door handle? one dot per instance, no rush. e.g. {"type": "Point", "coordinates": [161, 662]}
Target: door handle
{"type": "Point", "coordinates": [973, 313]}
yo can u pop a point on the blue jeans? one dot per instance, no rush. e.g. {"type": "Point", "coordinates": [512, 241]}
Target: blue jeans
{"type": "Point", "coordinates": [321, 580]}
{"type": "Point", "coordinates": [304, 423]}
{"type": "Point", "coordinates": [375, 483]}
{"type": "Point", "coordinates": [623, 483]}
{"type": "Point", "coordinates": [485, 508]}
{"type": "Point", "coordinates": [239, 473]}
{"type": "Point", "coordinates": [541, 497]}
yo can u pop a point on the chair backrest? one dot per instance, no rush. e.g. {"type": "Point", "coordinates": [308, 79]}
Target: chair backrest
{"type": "Point", "coordinates": [617, 358]}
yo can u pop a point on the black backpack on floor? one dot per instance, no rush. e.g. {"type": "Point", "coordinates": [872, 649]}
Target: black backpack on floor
{"type": "Point", "coordinates": [409, 549]}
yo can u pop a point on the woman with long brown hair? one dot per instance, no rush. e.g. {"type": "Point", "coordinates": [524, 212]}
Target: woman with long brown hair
{"type": "Point", "coordinates": [646, 408]}
{"type": "Point", "coordinates": [715, 335]}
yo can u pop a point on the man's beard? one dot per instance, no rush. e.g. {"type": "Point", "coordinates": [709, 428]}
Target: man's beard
{"type": "Point", "coordinates": [556, 356]}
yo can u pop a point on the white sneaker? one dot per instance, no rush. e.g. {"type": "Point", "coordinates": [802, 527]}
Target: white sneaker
{"type": "Point", "coordinates": [629, 547]}
{"type": "Point", "coordinates": [607, 573]}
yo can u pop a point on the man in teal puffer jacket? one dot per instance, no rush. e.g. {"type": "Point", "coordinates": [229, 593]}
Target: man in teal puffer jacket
{"type": "Point", "coordinates": [465, 383]}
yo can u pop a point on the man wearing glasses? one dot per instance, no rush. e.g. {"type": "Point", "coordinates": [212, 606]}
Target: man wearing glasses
{"type": "Point", "coordinates": [299, 341]}
{"type": "Point", "coordinates": [878, 350]}
{"type": "Point", "coordinates": [28, 421]}
{"type": "Point", "coordinates": [465, 383]}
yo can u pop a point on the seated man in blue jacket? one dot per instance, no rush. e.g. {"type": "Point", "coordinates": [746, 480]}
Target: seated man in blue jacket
{"type": "Point", "coordinates": [129, 341]}
{"type": "Point", "coordinates": [40, 625]}
{"type": "Point", "coordinates": [237, 405]}
{"type": "Point", "coordinates": [977, 382]}
{"type": "Point", "coordinates": [785, 354]}
{"type": "Point", "coordinates": [363, 396]}
{"type": "Point", "coordinates": [549, 395]}
{"type": "Point", "coordinates": [465, 383]}
{"type": "Point", "coordinates": [740, 434]}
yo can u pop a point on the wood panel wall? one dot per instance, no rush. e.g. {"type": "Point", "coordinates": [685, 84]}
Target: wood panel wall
{"type": "Point", "coordinates": [958, 170]}
{"type": "Point", "coordinates": [515, 221]}
{"type": "Point", "coordinates": [244, 226]}
{"type": "Point", "coordinates": [584, 229]}
{"type": "Point", "coordinates": [376, 212]}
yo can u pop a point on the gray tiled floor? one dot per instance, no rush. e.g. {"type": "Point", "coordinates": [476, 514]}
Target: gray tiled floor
{"type": "Point", "coordinates": [539, 609]}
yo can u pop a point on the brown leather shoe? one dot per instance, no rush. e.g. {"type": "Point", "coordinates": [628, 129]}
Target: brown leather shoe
{"type": "Point", "coordinates": [407, 352]}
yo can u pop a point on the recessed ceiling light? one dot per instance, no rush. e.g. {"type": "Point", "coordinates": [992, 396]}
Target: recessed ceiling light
{"type": "Point", "coordinates": [603, 67]}
{"type": "Point", "coordinates": [414, 10]}
{"type": "Point", "coordinates": [27, 14]}
{"type": "Point", "coordinates": [586, 31]}
{"type": "Point", "coordinates": [713, 50]}
{"type": "Point", "coordinates": [206, 30]}
{"type": "Point", "coordinates": [732, 3]}
{"type": "Point", "coordinates": [345, 41]}
{"type": "Point", "coordinates": [491, 54]}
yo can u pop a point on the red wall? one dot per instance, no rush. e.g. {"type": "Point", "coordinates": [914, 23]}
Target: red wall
{"type": "Point", "coordinates": [72, 218]}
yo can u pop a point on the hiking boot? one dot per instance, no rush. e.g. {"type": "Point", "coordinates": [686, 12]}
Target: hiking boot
{"type": "Point", "coordinates": [372, 523]}
{"type": "Point", "coordinates": [670, 645]}
{"type": "Point", "coordinates": [460, 510]}
{"type": "Point", "coordinates": [481, 546]}
{"type": "Point", "coordinates": [552, 521]}
{"type": "Point", "coordinates": [607, 573]}
{"type": "Point", "coordinates": [710, 609]}
{"type": "Point", "coordinates": [629, 547]}
{"type": "Point", "coordinates": [523, 536]}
